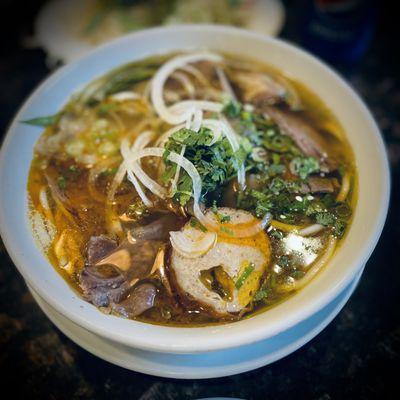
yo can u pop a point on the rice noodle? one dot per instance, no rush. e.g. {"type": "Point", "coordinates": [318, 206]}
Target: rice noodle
{"type": "Point", "coordinates": [185, 82]}
{"type": "Point", "coordinates": [192, 243]}
{"type": "Point", "coordinates": [315, 268]}
{"type": "Point", "coordinates": [298, 229]}
{"type": "Point", "coordinates": [59, 199]}
{"type": "Point", "coordinates": [345, 188]}
{"type": "Point", "coordinates": [132, 178]}
{"type": "Point", "coordinates": [225, 85]}
{"type": "Point", "coordinates": [142, 141]}
{"type": "Point", "coordinates": [45, 204]}
{"type": "Point", "coordinates": [196, 73]}
{"type": "Point", "coordinates": [94, 174]}
{"type": "Point", "coordinates": [118, 178]}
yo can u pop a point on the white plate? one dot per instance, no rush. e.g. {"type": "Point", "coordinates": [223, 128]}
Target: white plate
{"type": "Point", "coordinates": [207, 365]}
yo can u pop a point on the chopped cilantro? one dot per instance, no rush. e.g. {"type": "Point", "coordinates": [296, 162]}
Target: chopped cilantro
{"type": "Point", "coordinates": [217, 164]}
{"type": "Point", "coordinates": [232, 109]}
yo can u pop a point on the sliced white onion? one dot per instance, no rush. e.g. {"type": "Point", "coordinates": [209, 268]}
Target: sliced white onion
{"type": "Point", "coordinates": [124, 96]}
{"type": "Point", "coordinates": [169, 114]}
{"type": "Point", "coordinates": [310, 230]}
{"type": "Point", "coordinates": [190, 113]}
{"type": "Point", "coordinates": [182, 109]}
{"type": "Point", "coordinates": [235, 230]}
{"type": "Point", "coordinates": [143, 140]}
{"type": "Point", "coordinates": [132, 178]}
{"type": "Point", "coordinates": [129, 160]}
{"type": "Point", "coordinates": [192, 243]}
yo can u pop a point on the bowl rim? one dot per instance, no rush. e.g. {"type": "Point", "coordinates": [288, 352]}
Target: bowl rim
{"type": "Point", "coordinates": [139, 334]}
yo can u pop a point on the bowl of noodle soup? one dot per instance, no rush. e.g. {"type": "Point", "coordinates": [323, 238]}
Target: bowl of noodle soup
{"type": "Point", "coordinates": [214, 287]}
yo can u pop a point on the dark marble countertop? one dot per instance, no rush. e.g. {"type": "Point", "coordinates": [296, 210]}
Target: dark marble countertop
{"type": "Point", "coordinates": [354, 357]}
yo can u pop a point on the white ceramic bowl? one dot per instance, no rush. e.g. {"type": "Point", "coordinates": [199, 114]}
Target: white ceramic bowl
{"type": "Point", "coordinates": [361, 239]}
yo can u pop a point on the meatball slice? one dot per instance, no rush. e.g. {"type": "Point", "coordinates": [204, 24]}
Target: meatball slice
{"type": "Point", "coordinates": [228, 275]}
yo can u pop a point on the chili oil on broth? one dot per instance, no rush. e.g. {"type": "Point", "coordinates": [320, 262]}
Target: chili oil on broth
{"type": "Point", "coordinates": [77, 208]}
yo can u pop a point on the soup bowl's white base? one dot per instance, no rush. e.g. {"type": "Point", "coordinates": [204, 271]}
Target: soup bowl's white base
{"type": "Point", "coordinates": [206, 365]}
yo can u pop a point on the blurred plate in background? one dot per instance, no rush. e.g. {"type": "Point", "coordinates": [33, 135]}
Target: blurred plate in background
{"type": "Point", "coordinates": [67, 29]}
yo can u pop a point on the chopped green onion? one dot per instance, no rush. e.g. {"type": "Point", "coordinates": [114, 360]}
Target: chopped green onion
{"type": "Point", "coordinates": [245, 275]}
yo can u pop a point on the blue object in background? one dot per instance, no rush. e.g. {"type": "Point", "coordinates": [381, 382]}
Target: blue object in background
{"type": "Point", "coordinates": [338, 30]}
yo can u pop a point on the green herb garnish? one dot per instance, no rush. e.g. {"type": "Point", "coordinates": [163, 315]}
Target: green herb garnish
{"type": "Point", "coordinates": [194, 223]}
{"type": "Point", "coordinates": [305, 166]}
{"type": "Point", "coordinates": [46, 121]}
{"type": "Point", "coordinates": [217, 164]}
{"type": "Point", "coordinates": [220, 217]}
{"type": "Point", "coordinates": [261, 294]}
{"type": "Point", "coordinates": [62, 182]}
{"type": "Point", "coordinates": [232, 109]}
{"type": "Point", "coordinates": [244, 276]}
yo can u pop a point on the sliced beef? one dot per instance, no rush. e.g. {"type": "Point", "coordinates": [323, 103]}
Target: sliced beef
{"type": "Point", "coordinates": [309, 140]}
{"type": "Point", "coordinates": [112, 270]}
{"type": "Point", "coordinates": [316, 184]}
{"type": "Point", "coordinates": [257, 88]}
{"type": "Point", "coordinates": [101, 289]}
{"type": "Point", "coordinates": [158, 229]}
{"type": "Point", "coordinates": [99, 247]}
{"type": "Point", "coordinates": [140, 299]}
